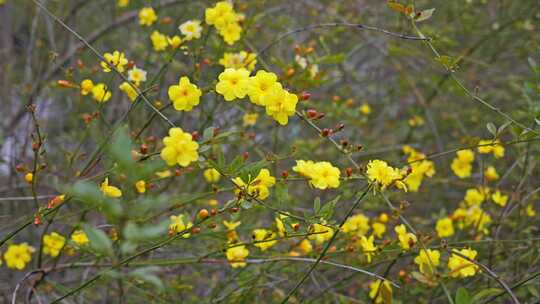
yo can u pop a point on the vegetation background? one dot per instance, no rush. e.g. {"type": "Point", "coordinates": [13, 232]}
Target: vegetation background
{"type": "Point", "coordinates": [382, 76]}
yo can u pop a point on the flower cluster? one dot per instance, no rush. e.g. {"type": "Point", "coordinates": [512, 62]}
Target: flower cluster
{"type": "Point", "coordinates": [487, 146]}
{"type": "Point", "coordinates": [255, 188]}
{"type": "Point", "coordinates": [321, 175]}
{"type": "Point", "coordinates": [420, 167]}
{"type": "Point", "coordinates": [239, 60]}
{"type": "Point", "coordinates": [226, 21]}
{"type": "Point", "coordinates": [462, 164]}
{"type": "Point", "coordinates": [379, 172]}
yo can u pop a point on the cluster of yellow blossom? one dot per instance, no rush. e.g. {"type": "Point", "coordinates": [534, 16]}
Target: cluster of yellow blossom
{"type": "Point", "coordinates": [321, 175]}
{"type": "Point", "coordinates": [260, 236]}
{"type": "Point", "coordinates": [358, 225]}
{"type": "Point", "coordinates": [100, 92]}
{"type": "Point", "coordinates": [239, 60]}
{"type": "Point", "coordinates": [487, 146]}
{"type": "Point", "coordinates": [160, 42]}
{"type": "Point", "coordinates": [178, 225]}
{"type": "Point", "coordinates": [462, 164]}
{"type": "Point", "coordinates": [320, 233]}
{"type": "Point", "coordinates": [226, 21]}
{"type": "Point", "coordinates": [256, 188]}
{"type": "Point", "coordinates": [18, 255]}
{"type": "Point", "coordinates": [406, 239]}
{"type": "Point", "coordinates": [147, 16]}
{"type": "Point", "coordinates": [180, 148]}
{"type": "Point", "coordinates": [379, 172]}
{"type": "Point", "coordinates": [473, 217]}
{"type": "Point", "coordinates": [110, 191]}
{"type": "Point", "coordinates": [135, 76]}
{"type": "Point", "coordinates": [185, 95]}
{"type": "Point", "coordinates": [420, 167]}
{"type": "Point", "coordinates": [53, 243]}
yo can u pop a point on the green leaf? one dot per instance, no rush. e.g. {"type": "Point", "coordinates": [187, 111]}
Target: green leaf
{"type": "Point", "coordinates": [99, 241]}
{"type": "Point", "coordinates": [317, 205]}
{"type": "Point", "coordinates": [146, 274]}
{"type": "Point", "coordinates": [463, 296]}
{"type": "Point", "coordinates": [331, 59]}
{"type": "Point", "coordinates": [120, 148]}
{"type": "Point", "coordinates": [89, 194]}
{"type": "Point", "coordinates": [328, 209]}
{"type": "Point", "coordinates": [208, 134]}
{"type": "Point", "coordinates": [281, 192]}
{"type": "Point", "coordinates": [486, 293]}
{"type": "Point", "coordinates": [424, 15]}
{"type": "Point", "coordinates": [491, 128]}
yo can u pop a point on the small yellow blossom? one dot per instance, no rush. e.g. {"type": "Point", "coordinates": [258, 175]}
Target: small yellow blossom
{"type": "Point", "coordinates": [250, 119]}
{"type": "Point", "coordinates": [322, 175]}
{"type": "Point", "coordinates": [322, 233]}
{"type": "Point", "coordinates": [101, 93]}
{"type": "Point", "coordinates": [53, 243]}
{"type": "Point", "coordinates": [86, 86]}
{"type": "Point", "coordinates": [280, 104]}
{"type": "Point", "coordinates": [305, 246]}
{"type": "Point", "coordinates": [237, 255]}
{"type": "Point", "coordinates": [262, 84]}
{"type": "Point", "coordinates": [128, 90]}
{"type": "Point", "coordinates": [444, 227]}
{"type": "Point", "coordinates": [427, 260]}
{"type": "Point", "coordinates": [416, 121]}
{"type": "Point", "coordinates": [178, 225]}
{"type": "Point", "coordinates": [491, 146]}
{"type": "Point", "coordinates": [462, 164]}
{"type": "Point", "coordinates": [239, 60]}
{"type": "Point", "coordinates": [174, 41]}
{"type": "Point", "coordinates": [117, 59]}
{"type": "Point", "coordinates": [185, 95]}
{"type": "Point", "coordinates": [365, 109]}
{"type": "Point", "coordinates": [474, 196]}
{"type": "Point", "coordinates": [140, 186]}
{"type": "Point", "coordinates": [406, 239]}
{"type": "Point", "coordinates": [29, 177]}
{"type": "Point", "coordinates": [233, 83]}
{"type": "Point", "coordinates": [231, 32]}
{"type": "Point", "coordinates": [79, 237]}
{"type": "Point", "coordinates": [378, 229]}
{"type": "Point", "coordinates": [122, 3]}
{"type": "Point", "coordinates": [18, 255]}
{"type": "Point", "coordinates": [179, 148]}
{"type": "Point", "coordinates": [368, 247]}
{"type": "Point", "coordinates": [137, 75]}
{"type": "Point", "coordinates": [260, 235]}
{"type": "Point", "coordinates": [491, 174]}
{"type": "Point", "coordinates": [147, 16]}
{"type": "Point", "coordinates": [211, 175]}
{"type": "Point", "coordinates": [529, 210]}
{"type": "Point", "coordinates": [231, 225]}
{"type": "Point", "coordinates": [110, 191]}
{"type": "Point", "coordinates": [380, 172]}
{"type": "Point", "coordinates": [499, 198]}
{"type": "Point", "coordinates": [460, 267]}
{"type": "Point", "coordinates": [357, 224]}
{"type": "Point", "coordinates": [380, 292]}
{"type": "Point", "coordinates": [159, 41]}
{"type": "Point", "coordinates": [219, 15]}
{"type": "Point", "coordinates": [191, 29]}
{"type": "Point", "coordinates": [258, 187]}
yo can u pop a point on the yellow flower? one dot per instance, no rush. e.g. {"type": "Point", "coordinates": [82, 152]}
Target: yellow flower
{"type": "Point", "coordinates": [128, 90]}
{"type": "Point", "coordinates": [416, 121]}
{"type": "Point", "coordinates": [231, 225]}
{"type": "Point", "coordinates": [233, 83]}
{"type": "Point", "coordinates": [53, 243]}
{"type": "Point", "coordinates": [17, 256]}
{"type": "Point", "coordinates": [237, 255]}
{"type": "Point", "coordinates": [179, 148]}
{"type": "Point", "coordinates": [378, 229]}
{"type": "Point", "coordinates": [322, 175]}
{"type": "Point", "coordinates": [491, 174]}
{"type": "Point", "coordinates": [491, 146]}
{"type": "Point", "coordinates": [365, 109]}
{"type": "Point", "coordinates": [174, 41]}
{"type": "Point", "coordinates": [250, 119]}
{"type": "Point", "coordinates": [211, 175]}
{"type": "Point", "coordinates": [257, 188]}
{"type": "Point", "coordinates": [380, 172]}
{"type": "Point", "coordinates": [474, 196]}
{"type": "Point", "coordinates": [280, 225]}
{"type": "Point", "coordinates": [86, 86]}
{"type": "Point", "coordinates": [321, 232]}
{"type": "Point", "coordinates": [460, 267]}
{"type": "Point", "coordinates": [499, 199]}
{"type": "Point", "coordinates": [147, 16]}
{"type": "Point", "coordinates": [219, 15]}
{"type": "Point", "coordinates": [368, 248]}
{"type": "Point", "coordinates": [420, 167]}
{"type": "Point", "coordinates": [239, 60]}
{"type": "Point", "coordinates": [231, 32]}
{"type": "Point", "coordinates": [529, 210]}
{"type": "Point", "coordinates": [178, 225]}
{"type": "Point", "coordinates": [116, 59]}
{"type": "Point", "coordinates": [427, 260]}
{"type": "Point", "coordinates": [185, 95]}
{"type": "Point", "coordinates": [137, 75]}
{"type": "Point", "coordinates": [262, 84]}
{"type": "Point", "coordinates": [110, 191]}
{"type": "Point", "coordinates": [259, 235]}
{"type": "Point", "coordinates": [280, 105]}
{"type": "Point", "coordinates": [462, 164]}
{"type": "Point", "coordinates": [305, 246]}
{"type": "Point", "coordinates": [473, 217]}
{"type": "Point", "coordinates": [79, 237]}
{"type": "Point", "coordinates": [406, 239]}
{"type": "Point", "coordinates": [191, 29]}
{"type": "Point", "coordinates": [140, 186]}
{"type": "Point", "coordinates": [101, 93]}
{"type": "Point", "coordinates": [164, 174]}
{"type": "Point", "coordinates": [357, 224]}
{"type": "Point", "coordinates": [29, 177]}
{"type": "Point", "coordinates": [380, 292]}
{"type": "Point", "coordinates": [122, 3]}
{"type": "Point", "coordinates": [444, 227]}
{"type": "Point", "coordinates": [159, 41]}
